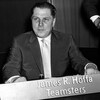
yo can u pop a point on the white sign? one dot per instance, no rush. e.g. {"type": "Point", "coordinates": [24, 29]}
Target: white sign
{"type": "Point", "coordinates": [51, 88]}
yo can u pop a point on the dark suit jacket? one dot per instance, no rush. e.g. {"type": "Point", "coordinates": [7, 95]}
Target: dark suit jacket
{"type": "Point", "coordinates": [25, 58]}
{"type": "Point", "coordinates": [92, 7]}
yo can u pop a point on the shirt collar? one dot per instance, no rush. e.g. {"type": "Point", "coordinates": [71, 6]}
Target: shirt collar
{"type": "Point", "coordinates": [48, 38]}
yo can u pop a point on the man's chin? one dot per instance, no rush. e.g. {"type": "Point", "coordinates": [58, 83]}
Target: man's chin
{"type": "Point", "coordinates": [42, 35]}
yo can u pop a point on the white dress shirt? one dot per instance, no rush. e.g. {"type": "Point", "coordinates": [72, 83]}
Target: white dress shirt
{"type": "Point", "coordinates": [93, 18]}
{"type": "Point", "coordinates": [47, 53]}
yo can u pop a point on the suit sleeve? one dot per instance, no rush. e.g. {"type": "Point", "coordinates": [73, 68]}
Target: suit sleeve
{"type": "Point", "coordinates": [13, 65]}
{"type": "Point", "coordinates": [90, 7]}
{"type": "Point", "coordinates": [78, 61]}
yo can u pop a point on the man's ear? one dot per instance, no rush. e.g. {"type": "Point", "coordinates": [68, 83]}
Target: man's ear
{"type": "Point", "coordinates": [54, 20]}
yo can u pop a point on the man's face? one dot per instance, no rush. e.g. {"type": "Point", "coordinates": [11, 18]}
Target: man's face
{"type": "Point", "coordinates": [42, 22]}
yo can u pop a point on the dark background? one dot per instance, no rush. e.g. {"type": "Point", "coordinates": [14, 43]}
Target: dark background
{"type": "Point", "coordinates": [14, 16]}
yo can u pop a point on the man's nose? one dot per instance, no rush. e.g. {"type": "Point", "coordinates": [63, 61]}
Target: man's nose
{"type": "Point", "coordinates": [41, 23]}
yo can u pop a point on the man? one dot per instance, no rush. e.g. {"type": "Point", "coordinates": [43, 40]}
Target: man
{"type": "Point", "coordinates": [27, 55]}
{"type": "Point", "coordinates": [92, 8]}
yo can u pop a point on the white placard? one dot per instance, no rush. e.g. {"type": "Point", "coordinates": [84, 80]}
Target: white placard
{"type": "Point", "coordinates": [51, 88]}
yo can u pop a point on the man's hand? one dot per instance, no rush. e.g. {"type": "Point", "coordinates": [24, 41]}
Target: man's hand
{"type": "Point", "coordinates": [90, 71]}
{"type": "Point", "coordinates": [20, 79]}
{"type": "Point", "coordinates": [97, 23]}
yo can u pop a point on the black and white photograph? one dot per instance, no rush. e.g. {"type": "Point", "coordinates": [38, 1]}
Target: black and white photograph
{"type": "Point", "coordinates": [49, 49]}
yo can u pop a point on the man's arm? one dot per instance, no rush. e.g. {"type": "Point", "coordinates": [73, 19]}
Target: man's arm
{"type": "Point", "coordinates": [91, 68]}
{"type": "Point", "coordinates": [96, 20]}
{"type": "Point", "coordinates": [79, 62]}
{"type": "Point", "coordinates": [12, 67]}
{"type": "Point", "coordinates": [15, 79]}
{"type": "Point", "coordinates": [90, 7]}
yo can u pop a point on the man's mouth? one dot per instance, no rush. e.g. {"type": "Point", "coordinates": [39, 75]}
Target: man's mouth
{"type": "Point", "coordinates": [40, 29]}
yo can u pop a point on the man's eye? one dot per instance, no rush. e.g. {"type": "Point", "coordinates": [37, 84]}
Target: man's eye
{"type": "Point", "coordinates": [35, 19]}
{"type": "Point", "coordinates": [46, 19]}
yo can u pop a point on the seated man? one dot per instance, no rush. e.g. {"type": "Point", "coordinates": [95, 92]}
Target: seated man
{"type": "Point", "coordinates": [44, 52]}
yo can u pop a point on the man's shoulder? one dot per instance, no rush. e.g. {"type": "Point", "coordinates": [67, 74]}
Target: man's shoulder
{"type": "Point", "coordinates": [24, 35]}
{"type": "Point", "coordinates": [62, 35]}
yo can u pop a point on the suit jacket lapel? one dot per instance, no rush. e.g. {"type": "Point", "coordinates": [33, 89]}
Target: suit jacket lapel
{"type": "Point", "coordinates": [35, 49]}
{"type": "Point", "coordinates": [54, 52]}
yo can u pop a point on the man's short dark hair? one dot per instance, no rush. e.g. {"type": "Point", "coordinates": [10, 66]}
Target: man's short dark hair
{"type": "Point", "coordinates": [45, 5]}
